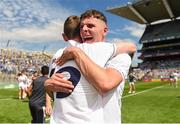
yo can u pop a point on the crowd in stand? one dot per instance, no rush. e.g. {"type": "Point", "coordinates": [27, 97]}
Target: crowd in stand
{"type": "Point", "coordinates": [158, 69]}
{"type": "Point", "coordinates": [14, 61]}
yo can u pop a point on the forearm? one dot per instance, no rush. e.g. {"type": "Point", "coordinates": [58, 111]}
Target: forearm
{"type": "Point", "coordinates": [125, 47]}
{"type": "Point", "coordinates": [48, 89]}
{"type": "Point", "coordinates": [48, 109]}
{"type": "Point", "coordinates": [48, 100]}
{"type": "Point", "coordinates": [49, 93]}
{"type": "Point", "coordinates": [102, 79]}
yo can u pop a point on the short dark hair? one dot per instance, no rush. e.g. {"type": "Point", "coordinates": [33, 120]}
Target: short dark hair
{"type": "Point", "coordinates": [94, 13]}
{"type": "Point", "coordinates": [72, 27]}
{"type": "Point", "coordinates": [44, 70]}
{"type": "Point", "coordinates": [19, 74]}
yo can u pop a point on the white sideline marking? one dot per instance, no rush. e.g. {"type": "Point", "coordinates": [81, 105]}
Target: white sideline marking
{"type": "Point", "coordinates": [142, 91]}
{"type": "Point", "coordinates": [9, 98]}
{"type": "Point", "coordinates": [5, 99]}
{"type": "Point", "coordinates": [122, 97]}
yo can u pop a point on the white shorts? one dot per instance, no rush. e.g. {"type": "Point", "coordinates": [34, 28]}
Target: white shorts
{"type": "Point", "coordinates": [22, 86]}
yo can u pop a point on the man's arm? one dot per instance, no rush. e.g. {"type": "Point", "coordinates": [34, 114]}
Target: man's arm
{"type": "Point", "coordinates": [48, 108]}
{"type": "Point", "coordinates": [103, 79]}
{"type": "Point", "coordinates": [125, 47]}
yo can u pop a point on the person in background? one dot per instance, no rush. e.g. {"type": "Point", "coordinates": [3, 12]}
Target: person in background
{"type": "Point", "coordinates": [31, 79]}
{"type": "Point", "coordinates": [21, 85]}
{"type": "Point", "coordinates": [37, 99]}
{"type": "Point", "coordinates": [132, 80]}
{"type": "Point", "coordinates": [35, 75]}
{"type": "Point", "coordinates": [175, 79]}
{"type": "Point", "coordinates": [171, 76]}
{"type": "Point", "coordinates": [25, 81]}
{"type": "Point", "coordinates": [22, 80]}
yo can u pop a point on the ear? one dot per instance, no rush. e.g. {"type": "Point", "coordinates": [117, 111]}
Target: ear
{"type": "Point", "coordinates": [106, 30]}
{"type": "Point", "coordinates": [65, 37]}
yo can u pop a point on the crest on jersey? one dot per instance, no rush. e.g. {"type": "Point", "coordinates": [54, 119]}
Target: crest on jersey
{"type": "Point", "coordinates": [72, 74]}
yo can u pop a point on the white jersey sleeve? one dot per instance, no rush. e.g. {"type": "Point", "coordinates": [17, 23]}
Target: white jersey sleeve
{"type": "Point", "coordinates": [122, 63]}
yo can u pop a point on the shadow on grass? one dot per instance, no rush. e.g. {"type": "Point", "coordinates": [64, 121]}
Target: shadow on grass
{"type": "Point", "coordinates": [178, 97]}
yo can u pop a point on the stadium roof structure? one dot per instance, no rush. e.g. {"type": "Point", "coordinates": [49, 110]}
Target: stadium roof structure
{"type": "Point", "coordinates": [148, 11]}
{"type": "Point", "coordinates": [161, 32]}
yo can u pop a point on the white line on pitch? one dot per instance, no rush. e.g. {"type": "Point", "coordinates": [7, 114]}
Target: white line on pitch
{"type": "Point", "coordinates": [142, 91]}
{"type": "Point", "coordinates": [8, 98]}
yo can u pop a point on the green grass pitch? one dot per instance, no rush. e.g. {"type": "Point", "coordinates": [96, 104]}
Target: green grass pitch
{"type": "Point", "coordinates": [153, 102]}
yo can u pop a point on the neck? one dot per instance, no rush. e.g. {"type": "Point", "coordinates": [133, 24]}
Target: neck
{"type": "Point", "coordinates": [77, 39]}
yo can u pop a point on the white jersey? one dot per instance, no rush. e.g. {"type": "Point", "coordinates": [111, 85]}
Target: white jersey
{"type": "Point", "coordinates": [22, 81]}
{"type": "Point", "coordinates": [84, 104]}
{"type": "Point", "coordinates": [175, 76]}
{"type": "Point", "coordinates": [112, 99]}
